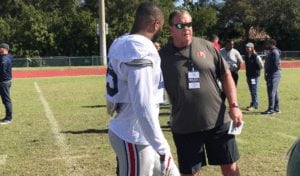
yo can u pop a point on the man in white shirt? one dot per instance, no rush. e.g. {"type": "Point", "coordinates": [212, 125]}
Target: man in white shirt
{"type": "Point", "coordinates": [134, 91]}
{"type": "Point", "coordinates": [233, 59]}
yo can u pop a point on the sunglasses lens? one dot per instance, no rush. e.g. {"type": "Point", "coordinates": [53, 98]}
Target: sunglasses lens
{"type": "Point", "coordinates": [179, 26]}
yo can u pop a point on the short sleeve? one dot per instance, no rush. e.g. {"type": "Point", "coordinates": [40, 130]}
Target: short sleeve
{"type": "Point", "coordinates": [220, 64]}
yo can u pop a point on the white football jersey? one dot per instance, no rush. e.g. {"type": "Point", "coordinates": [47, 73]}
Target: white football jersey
{"type": "Point", "coordinates": [134, 81]}
{"type": "Point", "coordinates": [126, 49]}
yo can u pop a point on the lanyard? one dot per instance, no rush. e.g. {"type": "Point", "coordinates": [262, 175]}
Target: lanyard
{"type": "Point", "coordinates": [190, 60]}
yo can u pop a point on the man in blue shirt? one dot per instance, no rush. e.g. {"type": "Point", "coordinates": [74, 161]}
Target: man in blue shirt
{"type": "Point", "coordinates": [5, 81]}
{"type": "Point", "coordinates": [272, 76]}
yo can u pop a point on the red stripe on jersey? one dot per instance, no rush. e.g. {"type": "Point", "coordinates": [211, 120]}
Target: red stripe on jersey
{"type": "Point", "coordinates": [132, 159]}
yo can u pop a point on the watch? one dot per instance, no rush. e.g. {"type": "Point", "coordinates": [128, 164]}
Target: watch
{"type": "Point", "coordinates": [233, 105]}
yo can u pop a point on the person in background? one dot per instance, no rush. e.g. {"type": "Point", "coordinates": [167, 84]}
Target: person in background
{"type": "Point", "coordinates": [157, 45]}
{"type": "Point", "coordinates": [5, 82]}
{"type": "Point", "coordinates": [254, 64]}
{"type": "Point", "coordinates": [215, 42]}
{"type": "Point", "coordinates": [233, 59]}
{"type": "Point", "coordinates": [272, 76]}
{"type": "Point", "coordinates": [134, 90]}
{"type": "Point", "coordinates": [191, 67]}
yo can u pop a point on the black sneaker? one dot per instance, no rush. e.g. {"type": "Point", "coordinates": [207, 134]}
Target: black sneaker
{"type": "Point", "coordinates": [277, 111]}
{"type": "Point", "coordinates": [268, 112]}
{"type": "Point", "coordinates": [5, 122]}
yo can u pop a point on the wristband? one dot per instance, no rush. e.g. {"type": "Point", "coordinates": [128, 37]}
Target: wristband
{"type": "Point", "coordinates": [233, 105]}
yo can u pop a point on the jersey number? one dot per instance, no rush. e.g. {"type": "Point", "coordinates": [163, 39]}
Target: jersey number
{"type": "Point", "coordinates": [111, 82]}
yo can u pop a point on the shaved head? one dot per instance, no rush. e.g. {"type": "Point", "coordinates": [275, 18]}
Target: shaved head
{"type": "Point", "coordinates": [146, 13]}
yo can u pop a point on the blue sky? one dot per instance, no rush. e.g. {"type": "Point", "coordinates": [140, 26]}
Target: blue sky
{"type": "Point", "coordinates": [181, 1]}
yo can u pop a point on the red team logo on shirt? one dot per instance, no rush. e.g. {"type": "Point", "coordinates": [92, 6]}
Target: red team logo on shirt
{"type": "Point", "coordinates": [200, 54]}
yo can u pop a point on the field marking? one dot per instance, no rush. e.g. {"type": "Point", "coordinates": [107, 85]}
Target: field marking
{"type": "Point", "coordinates": [72, 170]}
{"type": "Point", "coordinates": [3, 159]}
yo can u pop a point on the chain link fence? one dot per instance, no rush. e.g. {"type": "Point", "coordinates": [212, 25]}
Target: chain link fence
{"type": "Point", "coordinates": [285, 55]}
{"type": "Point", "coordinates": [57, 61]}
{"type": "Point", "coordinates": [290, 55]}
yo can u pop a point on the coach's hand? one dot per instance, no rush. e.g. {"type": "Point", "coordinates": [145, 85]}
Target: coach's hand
{"type": "Point", "coordinates": [236, 116]}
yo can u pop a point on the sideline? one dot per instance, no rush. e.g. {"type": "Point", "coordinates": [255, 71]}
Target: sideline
{"type": "Point", "coordinates": [72, 169]}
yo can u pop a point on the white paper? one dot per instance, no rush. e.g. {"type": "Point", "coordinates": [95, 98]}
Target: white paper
{"type": "Point", "coordinates": [235, 130]}
{"type": "Point", "coordinates": [195, 85]}
{"type": "Point", "coordinates": [194, 74]}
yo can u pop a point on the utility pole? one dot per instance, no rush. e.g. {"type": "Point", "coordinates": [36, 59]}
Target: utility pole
{"type": "Point", "coordinates": [102, 36]}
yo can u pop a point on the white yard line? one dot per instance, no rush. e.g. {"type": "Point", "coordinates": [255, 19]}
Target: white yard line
{"type": "Point", "coordinates": [3, 159]}
{"type": "Point", "coordinates": [72, 169]}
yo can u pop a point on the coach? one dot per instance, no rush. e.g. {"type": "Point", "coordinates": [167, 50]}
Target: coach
{"type": "Point", "coordinates": [191, 68]}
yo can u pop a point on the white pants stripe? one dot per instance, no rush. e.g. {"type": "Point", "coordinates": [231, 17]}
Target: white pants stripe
{"type": "Point", "coordinates": [132, 159]}
{"type": "Point", "coordinates": [135, 160]}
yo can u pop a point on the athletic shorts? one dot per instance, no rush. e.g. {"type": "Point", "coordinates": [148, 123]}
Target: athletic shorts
{"type": "Point", "coordinates": [216, 145]}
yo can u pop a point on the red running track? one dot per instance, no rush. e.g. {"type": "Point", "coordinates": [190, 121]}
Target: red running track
{"type": "Point", "coordinates": [58, 72]}
{"type": "Point", "coordinates": [96, 71]}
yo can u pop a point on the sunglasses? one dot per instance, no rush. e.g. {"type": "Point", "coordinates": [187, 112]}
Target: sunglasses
{"type": "Point", "coordinates": [181, 26]}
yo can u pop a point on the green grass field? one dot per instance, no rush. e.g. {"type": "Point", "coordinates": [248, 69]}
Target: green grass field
{"type": "Point", "coordinates": [61, 129]}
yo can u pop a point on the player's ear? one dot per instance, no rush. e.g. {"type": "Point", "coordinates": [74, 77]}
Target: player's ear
{"type": "Point", "coordinates": [157, 25]}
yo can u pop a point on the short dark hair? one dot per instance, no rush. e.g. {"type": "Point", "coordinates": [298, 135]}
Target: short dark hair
{"type": "Point", "coordinates": [271, 42]}
{"type": "Point", "coordinates": [213, 37]}
{"type": "Point", "coordinates": [145, 14]}
{"type": "Point", "coordinates": [175, 13]}
{"type": "Point", "coordinates": [228, 41]}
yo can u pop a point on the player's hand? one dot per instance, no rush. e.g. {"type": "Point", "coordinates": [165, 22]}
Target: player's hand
{"type": "Point", "coordinates": [168, 167]}
{"type": "Point", "coordinates": [236, 116]}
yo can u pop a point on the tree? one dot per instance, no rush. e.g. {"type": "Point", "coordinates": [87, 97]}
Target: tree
{"type": "Point", "coordinates": [279, 18]}
{"type": "Point", "coordinates": [282, 22]}
{"type": "Point", "coordinates": [204, 16]}
{"type": "Point", "coordinates": [120, 17]}
{"type": "Point", "coordinates": [238, 16]}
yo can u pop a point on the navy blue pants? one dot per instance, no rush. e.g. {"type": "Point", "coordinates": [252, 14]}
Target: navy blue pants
{"type": "Point", "coordinates": [5, 96]}
{"type": "Point", "coordinates": [253, 87]}
{"type": "Point", "coordinates": [272, 89]}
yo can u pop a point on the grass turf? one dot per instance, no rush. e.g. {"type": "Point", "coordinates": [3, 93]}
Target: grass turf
{"type": "Point", "coordinates": [28, 147]}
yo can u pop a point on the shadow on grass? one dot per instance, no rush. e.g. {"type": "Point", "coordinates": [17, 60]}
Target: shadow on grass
{"type": "Point", "coordinates": [88, 131]}
{"type": "Point", "coordinates": [251, 113]}
{"type": "Point", "coordinates": [165, 107]}
{"type": "Point", "coordinates": [164, 114]}
{"type": "Point", "coordinates": [94, 106]}
{"type": "Point", "coordinates": [165, 128]}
